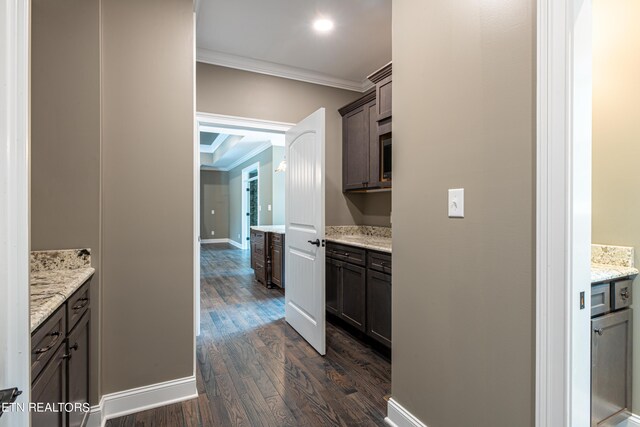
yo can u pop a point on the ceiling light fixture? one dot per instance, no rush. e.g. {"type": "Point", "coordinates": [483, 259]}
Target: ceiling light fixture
{"type": "Point", "coordinates": [323, 25]}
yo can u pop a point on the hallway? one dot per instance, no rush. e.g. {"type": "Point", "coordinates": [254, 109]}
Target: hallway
{"type": "Point", "coordinates": [255, 370]}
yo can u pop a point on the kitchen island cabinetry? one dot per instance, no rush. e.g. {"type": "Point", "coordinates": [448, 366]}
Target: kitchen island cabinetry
{"type": "Point", "coordinates": [267, 255]}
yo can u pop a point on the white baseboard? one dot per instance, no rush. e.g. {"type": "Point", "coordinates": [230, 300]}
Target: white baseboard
{"type": "Point", "coordinates": [139, 399]}
{"type": "Point", "coordinates": [209, 241]}
{"type": "Point", "coordinates": [229, 241]}
{"type": "Point", "coordinates": [236, 244]}
{"type": "Point", "coordinates": [398, 416]}
{"type": "Point", "coordinates": [633, 421]}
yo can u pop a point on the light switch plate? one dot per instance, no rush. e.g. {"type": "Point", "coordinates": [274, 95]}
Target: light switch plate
{"type": "Point", "coordinates": [269, 207]}
{"type": "Point", "coordinates": [456, 203]}
{"type": "Point", "coordinates": [212, 212]}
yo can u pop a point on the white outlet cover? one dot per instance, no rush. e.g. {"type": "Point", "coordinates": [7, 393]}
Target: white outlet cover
{"type": "Point", "coordinates": [456, 203]}
{"type": "Point", "coordinates": [269, 207]}
{"type": "Point", "coordinates": [213, 233]}
{"type": "Point", "coordinates": [213, 212]}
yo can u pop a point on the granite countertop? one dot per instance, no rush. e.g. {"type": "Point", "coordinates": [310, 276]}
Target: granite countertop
{"type": "Point", "coordinates": [55, 276]}
{"type": "Point", "coordinates": [611, 262]}
{"type": "Point", "coordinates": [278, 229]}
{"type": "Point", "coordinates": [362, 236]}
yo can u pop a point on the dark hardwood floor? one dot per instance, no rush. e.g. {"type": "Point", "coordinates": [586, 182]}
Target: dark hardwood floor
{"type": "Point", "coordinates": [255, 370]}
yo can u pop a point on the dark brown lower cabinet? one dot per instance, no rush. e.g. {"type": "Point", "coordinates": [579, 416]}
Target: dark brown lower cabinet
{"type": "Point", "coordinates": [379, 307]}
{"type": "Point", "coordinates": [353, 295]}
{"type": "Point", "coordinates": [78, 351]}
{"type": "Point", "coordinates": [60, 363]}
{"type": "Point", "coordinates": [51, 388]}
{"type": "Point", "coordinates": [332, 285]}
{"type": "Point", "coordinates": [277, 260]}
{"type": "Point", "coordinates": [358, 289]}
{"type": "Point", "coordinates": [267, 257]}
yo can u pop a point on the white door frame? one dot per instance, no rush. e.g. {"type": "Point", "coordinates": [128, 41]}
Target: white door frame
{"type": "Point", "coordinates": [245, 202]}
{"type": "Point", "coordinates": [563, 212]}
{"type": "Point", "coordinates": [15, 333]}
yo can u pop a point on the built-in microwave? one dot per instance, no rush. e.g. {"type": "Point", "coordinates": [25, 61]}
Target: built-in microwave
{"type": "Point", "coordinates": [385, 157]}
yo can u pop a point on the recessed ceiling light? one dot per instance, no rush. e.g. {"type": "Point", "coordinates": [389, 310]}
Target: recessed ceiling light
{"type": "Point", "coordinates": [323, 25]}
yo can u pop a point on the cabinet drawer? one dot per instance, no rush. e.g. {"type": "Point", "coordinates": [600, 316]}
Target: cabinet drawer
{"type": "Point", "coordinates": [346, 253]}
{"type": "Point", "coordinates": [258, 237]}
{"type": "Point", "coordinates": [378, 261]}
{"type": "Point", "coordinates": [46, 340]}
{"type": "Point", "coordinates": [259, 249]}
{"type": "Point", "coordinates": [260, 272]}
{"type": "Point", "coordinates": [276, 239]}
{"type": "Point", "coordinates": [621, 294]}
{"type": "Point", "coordinates": [77, 305]}
{"type": "Point", "coordinates": [600, 299]}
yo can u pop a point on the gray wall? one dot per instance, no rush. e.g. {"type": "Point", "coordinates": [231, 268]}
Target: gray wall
{"type": "Point", "coordinates": [232, 92]}
{"type": "Point", "coordinates": [616, 133]}
{"type": "Point", "coordinates": [65, 138]}
{"type": "Point", "coordinates": [277, 216]}
{"type": "Point", "coordinates": [214, 195]}
{"type": "Point", "coordinates": [463, 289]}
{"type": "Point", "coordinates": [265, 190]}
{"type": "Point", "coordinates": [147, 192]}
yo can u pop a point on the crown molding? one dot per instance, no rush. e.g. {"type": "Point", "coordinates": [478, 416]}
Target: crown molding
{"type": "Point", "coordinates": [278, 70]}
{"type": "Point", "coordinates": [240, 161]}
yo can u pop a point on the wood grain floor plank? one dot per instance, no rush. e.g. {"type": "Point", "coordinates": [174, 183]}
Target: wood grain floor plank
{"type": "Point", "coordinates": [253, 369]}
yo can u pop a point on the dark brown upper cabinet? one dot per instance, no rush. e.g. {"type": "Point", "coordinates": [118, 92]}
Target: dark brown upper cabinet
{"type": "Point", "coordinates": [366, 137]}
{"type": "Point", "coordinates": [382, 80]}
{"type": "Point", "coordinates": [356, 142]}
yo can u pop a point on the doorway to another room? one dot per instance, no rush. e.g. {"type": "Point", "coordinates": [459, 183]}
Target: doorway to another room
{"type": "Point", "coordinates": [250, 201]}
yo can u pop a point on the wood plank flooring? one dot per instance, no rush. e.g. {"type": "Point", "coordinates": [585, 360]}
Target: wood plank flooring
{"type": "Point", "coordinates": [255, 370]}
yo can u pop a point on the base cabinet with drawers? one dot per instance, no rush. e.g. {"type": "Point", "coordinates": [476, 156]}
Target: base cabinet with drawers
{"type": "Point", "coordinates": [611, 352]}
{"type": "Point", "coordinates": [60, 362]}
{"type": "Point", "coordinates": [267, 257]}
{"type": "Point", "coordinates": [358, 289]}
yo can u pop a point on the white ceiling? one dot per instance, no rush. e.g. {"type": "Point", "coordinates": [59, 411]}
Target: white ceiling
{"type": "Point", "coordinates": [276, 37]}
{"type": "Point", "coordinates": [234, 146]}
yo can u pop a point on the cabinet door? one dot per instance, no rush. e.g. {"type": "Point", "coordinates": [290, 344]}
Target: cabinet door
{"type": "Point", "coordinates": [355, 149]}
{"type": "Point", "coordinates": [379, 307]}
{"type": "Point", "coordinates": [383, 98]}
{"type": "Point", "coordinates": [611, 366]}
{"type": "Point", "coordinates": [51, 388]}
{"type": "Point", "coordinates": [78, 367]}
{"type": "Point", "coordinates": [353, 295]}
{"type": "Point", "coordinates": [276, 260]}
{"type": "Point", "coordinates": [333, 285]}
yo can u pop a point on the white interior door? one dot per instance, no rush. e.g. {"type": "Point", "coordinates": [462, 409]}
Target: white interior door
{"type": "Point", "coordinates": [304, 222]}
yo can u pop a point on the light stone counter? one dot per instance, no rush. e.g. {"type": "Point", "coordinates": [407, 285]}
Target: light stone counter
{"type": "Point", "coordinates": [611, 262]}
{"type": "Point", "coordinates": [362, 236]}
{"type": "Point", "coordinates": [278, 229]}
{"type": "Point", "coordinates": [55, 276]}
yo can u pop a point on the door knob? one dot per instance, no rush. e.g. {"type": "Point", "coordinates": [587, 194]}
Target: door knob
{"type": "Point", "coordinates": [316, 242]}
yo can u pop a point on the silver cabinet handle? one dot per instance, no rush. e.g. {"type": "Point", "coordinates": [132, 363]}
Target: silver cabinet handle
{"type": "Point", "coordinates": [599, 331]}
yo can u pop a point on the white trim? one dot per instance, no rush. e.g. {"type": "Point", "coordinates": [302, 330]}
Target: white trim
{"type": "Point", "coordinates": [258, 125]}
{"type": "Point", "coordinates": [249, 156]}
{"type": "Point", "coordinates": [139, 399]}
{"type": "Point", "coordinates": [398, 416]}
{"type": "Point", "coordinates": [196, 204]}
{"type": "Point", "coordinates": [236, 244]}
{"type": "Point", "coordinates": [14, 204]}
{"type": "Point", "coordinates": [211, 241]}
{"type": "Point", "coordinates": [229, 241]}
{"type": "Point", "coordinates": [285, 71]}
{"type": "Point", "coordinates": [244, 227]}
{"type": "Point", "coordinates": [563, 212]}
